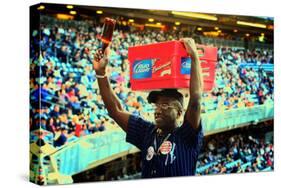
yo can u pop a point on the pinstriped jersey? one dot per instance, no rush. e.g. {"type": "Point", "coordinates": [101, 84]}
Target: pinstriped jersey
{"type": "Point", "coordinates": [175, 154]}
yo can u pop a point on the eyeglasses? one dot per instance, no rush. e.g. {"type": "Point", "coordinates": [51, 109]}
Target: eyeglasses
{"type": "Point", "coordinates": [162, 106]}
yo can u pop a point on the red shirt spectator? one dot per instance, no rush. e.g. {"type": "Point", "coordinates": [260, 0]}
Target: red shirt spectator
{"type": "Point", "coordinates": [78, 129]}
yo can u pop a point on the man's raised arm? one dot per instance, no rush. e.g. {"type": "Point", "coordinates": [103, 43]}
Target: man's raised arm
{"type": "Point", "coordinates": [110, 100]}
{"type": "Point", "coordinates": [192, 115]}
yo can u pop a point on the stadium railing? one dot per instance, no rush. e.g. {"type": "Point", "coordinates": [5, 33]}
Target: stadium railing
{"type": "Point", "coordinates": [219, 42]}
{"type": "Point", "coordinates": [205, 167]}
{"type": "Point", "coordinates": [218, 121]}
{"type": "Point", "coordinates": [233, 163]}
{"type": "Point", "coordinates": [265, 67]}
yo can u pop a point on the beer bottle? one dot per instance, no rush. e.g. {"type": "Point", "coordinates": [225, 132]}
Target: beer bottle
{"type": "Point", "coordinates": [107, 32]}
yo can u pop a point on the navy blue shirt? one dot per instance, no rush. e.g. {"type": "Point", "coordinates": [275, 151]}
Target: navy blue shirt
{"type": "Point", "coordinates": [176, 157]}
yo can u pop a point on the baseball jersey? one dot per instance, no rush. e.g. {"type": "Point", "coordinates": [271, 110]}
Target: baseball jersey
{"type": "Point", "coordinates": [175, 154]}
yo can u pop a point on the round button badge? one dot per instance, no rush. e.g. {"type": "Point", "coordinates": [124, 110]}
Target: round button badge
{"type": "Point", "coordinates": [166, 147]}
{"type": "Point", "coordinates": [150, 153]}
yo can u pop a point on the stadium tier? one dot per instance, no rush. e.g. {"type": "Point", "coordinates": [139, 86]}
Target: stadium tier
{"type": "Point", "coordinates": [69, 120]}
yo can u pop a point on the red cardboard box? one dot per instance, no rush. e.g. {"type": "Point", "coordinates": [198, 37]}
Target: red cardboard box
{"type": "Point", "coordinates": [167, 65]}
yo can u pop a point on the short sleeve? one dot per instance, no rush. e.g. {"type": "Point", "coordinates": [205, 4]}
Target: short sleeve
{"type": "Point", "coordinates": [138, 129]}
{"type": "Point", "coordinates": [192, 137]}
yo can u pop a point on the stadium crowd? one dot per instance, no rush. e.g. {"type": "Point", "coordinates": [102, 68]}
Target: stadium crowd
{"type": "Point", "coordinates": [61, 76]}
{"type": "Point", "coordinates": [238, 151]}
{"type": "Point", "coordinates": [240, 86]}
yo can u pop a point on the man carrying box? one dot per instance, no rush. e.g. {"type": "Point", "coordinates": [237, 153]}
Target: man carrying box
{"type": "Point", "coordinates": [167, 149]}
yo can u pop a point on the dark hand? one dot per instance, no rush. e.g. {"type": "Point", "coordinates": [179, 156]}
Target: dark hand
{"type": "Point", "coordinates": [190, 45]}
{"type": "Point", "coordinates": [100, 61]}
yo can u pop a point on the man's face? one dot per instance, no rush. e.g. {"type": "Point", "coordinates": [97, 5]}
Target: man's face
{"type": "Point", "coordinates": [167, 111]}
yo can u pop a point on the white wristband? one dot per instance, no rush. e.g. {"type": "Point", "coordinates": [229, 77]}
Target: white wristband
{"type": "Point", "coordinates": [101, 76]}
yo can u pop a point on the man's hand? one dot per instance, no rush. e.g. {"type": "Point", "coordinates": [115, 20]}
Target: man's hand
{"type": "Point", "coordinates": [100, 61]}
{"type": "Point", "coordinates": [190, 46]}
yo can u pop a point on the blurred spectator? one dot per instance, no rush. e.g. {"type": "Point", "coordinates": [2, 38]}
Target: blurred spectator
{"type": "Point", "coordinates": [62, 138]}
{"type": "Point", "coordinates": [55, 112]}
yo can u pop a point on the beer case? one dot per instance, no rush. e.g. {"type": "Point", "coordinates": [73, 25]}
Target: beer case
{"type": "Point", "coordinates": [168, 65]}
